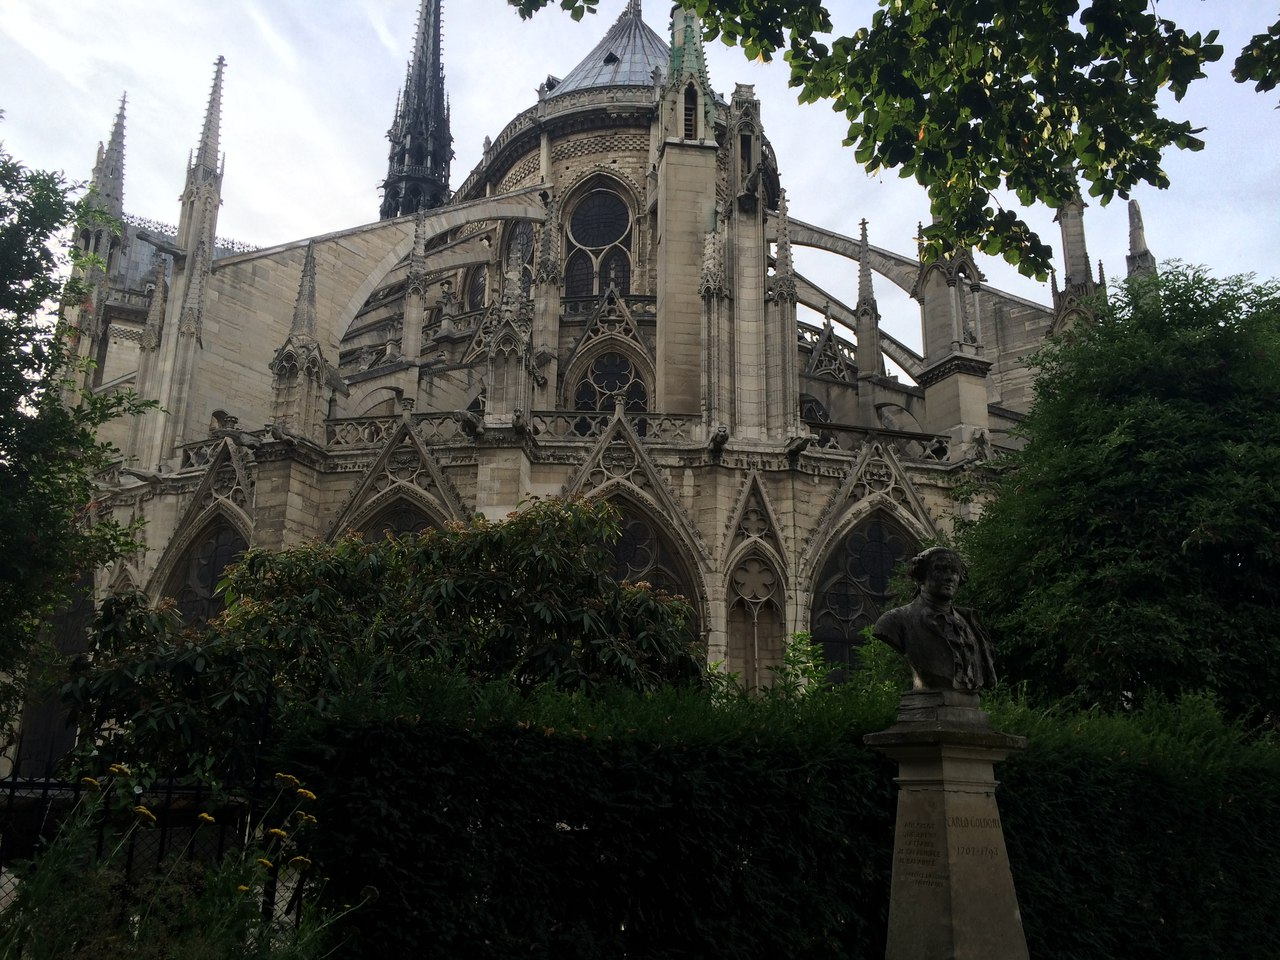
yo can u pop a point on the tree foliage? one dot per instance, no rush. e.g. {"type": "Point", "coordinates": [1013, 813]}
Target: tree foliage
{"type": "Point", "coordinates": [1133, 546]}
{"type": "Point", "coordinates": [50, 530]}
{"type": "Point", "coordinates": [970, 96]}
{"type": "Point", "coordinates": [333, 627]}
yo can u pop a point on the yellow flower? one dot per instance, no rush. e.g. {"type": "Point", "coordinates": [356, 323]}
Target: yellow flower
{"type": "Point", "coordinates": [265, 862]}
{"type": "Point", "coordinates": [144, 814]}
{"type": "Point", "coordinates": [206, 818]}
{"type": "Point", "coordinates": [277, 832]}
{"type": "Point", "coordinates": [285, 780]}
{"type": "Point", "coordinates": [243, 888]}
{"type": "Point", "coordinates": [306, 817]}
{"type": "Point", "coordinates": [300, 863]}
{"type": "Point", "coordinates": [306, 794]}
{"type": "Point", "coordinates": [91, 783]}
{"type": "Point", "coordinates": [120, 770]}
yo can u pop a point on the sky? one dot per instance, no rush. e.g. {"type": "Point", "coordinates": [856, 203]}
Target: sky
{"type": "Point", "coordinates": [310, 88]}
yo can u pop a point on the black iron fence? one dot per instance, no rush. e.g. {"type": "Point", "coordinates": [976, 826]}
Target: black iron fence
{"type": "Point", "coordinates": [180, 823]}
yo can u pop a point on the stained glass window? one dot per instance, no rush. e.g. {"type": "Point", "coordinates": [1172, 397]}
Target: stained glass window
{"type": "Point", "coordinates": [396, 521]}
{"type": "Point", "coordinates": [599, 220]}
{"type": "Point", "coordinates": [642, 554]}
{"type": "Point", "coordinates": [599, 245]}
{"type": "Point", "coordinates": [615, 271]}
{"type": "Point", "coordinates": [610, 375]}
{"type": "Point", "coordinates": [853, 588]}
{"type": "Point", "coordinates": [476, 289]}
{"type": "Point", "coordinates": [194, 583]}
{"type": "Point", "coordinates": [756, 623]}
{"type": "Point", "coordinates": [579, 275]}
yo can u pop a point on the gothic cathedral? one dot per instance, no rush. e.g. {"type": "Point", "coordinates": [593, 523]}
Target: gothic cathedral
{"type": "Point", "coordinates": [605, 306]}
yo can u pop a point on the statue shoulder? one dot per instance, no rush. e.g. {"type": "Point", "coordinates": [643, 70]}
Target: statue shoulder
{"type": "Point", "coordinates": [892, 624]}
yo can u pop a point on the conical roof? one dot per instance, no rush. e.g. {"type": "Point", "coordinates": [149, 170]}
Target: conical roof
{"type": "Point", "coordinates": [627, 56]}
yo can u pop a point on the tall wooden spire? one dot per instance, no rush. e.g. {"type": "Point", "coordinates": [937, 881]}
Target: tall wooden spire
{"type": "Point", "coordinates": [421, 145]}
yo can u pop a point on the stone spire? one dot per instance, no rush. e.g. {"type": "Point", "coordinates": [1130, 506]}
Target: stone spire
{"type": "Point", "coordinates": [687, 54]}
{"type": "Point", "coordinates": [866, 296]}
{"type": "Point", "coordinates": [1079, 287]}
{"type": "Point", "coordinates": [206, 160]}
{"type": "Point", "coordinates": [151, 331]}
{"type": "Point", "coordinates": [303, 326]}
{"type": "Point", "coordinates": [784, 275]}
{"type": "Point", "coordinates": [418, 258]}
{"type": "Point", "coordinates": [421, 144]}
{"type": "Point", "coordinates": [302, 378]}
{"type": "Point", "coordinates": [687, 69]}
{"type": "Point", "coordinates": [108, 171]}
{"type": "Point", "coordinates": [1074, 251]}
{"type": "Point", "coordinates": [416, 280]}
{"type": "Point", "coordinates": [1140, 261]}
{"type": "Point", "coordinates": [202, 195]}
{"type": "Point", "coordinates": [548, 256]}
{"type": "Point", "coordinates": [867, 355]}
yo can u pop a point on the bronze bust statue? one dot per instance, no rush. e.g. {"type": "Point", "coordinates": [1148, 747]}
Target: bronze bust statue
{"type": "Point", "coordinates": [946, 645]}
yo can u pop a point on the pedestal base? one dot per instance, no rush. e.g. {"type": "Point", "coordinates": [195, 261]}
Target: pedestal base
{"type": "Point", "coordinates": [952, 895]}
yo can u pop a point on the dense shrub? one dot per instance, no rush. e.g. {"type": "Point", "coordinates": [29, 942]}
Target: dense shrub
{"type": "Point", "coordinates": [1132, 548]}
{"type": "Point", "coordinates": [664, 826]}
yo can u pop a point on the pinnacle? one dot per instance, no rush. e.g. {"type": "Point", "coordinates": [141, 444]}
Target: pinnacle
{"type": "Point", "coordinates": [206, 155]}
{"type": "Point", "coordinates": [865, 294]}
{"type": "Point", "coordinates": [304, 309]}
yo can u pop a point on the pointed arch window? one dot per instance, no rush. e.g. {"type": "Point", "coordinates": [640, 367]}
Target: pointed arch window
{"type": "Point", "coordinates": [476, 283]}
{"type": "Point", "coordinates": [598, 245]}
{"type": "Point", "coordinates": [194, 582]}
{"type": "Point", "coordinates": [853, 587]}
{"type": "Point", "coordinates": [579, 275]}
{"type": "Point", "coordinates": [757, 621]}
{"type": "Point", "coordinates": [690, 113]}
{"type": "Point", "coordinates": [813, 410]}
{"type": "Point", "coordinates": [615, 271]}
{"type": "Point", "coordinates": [642, 555]}
{"type": "Point", "coordinates": [397, 520]}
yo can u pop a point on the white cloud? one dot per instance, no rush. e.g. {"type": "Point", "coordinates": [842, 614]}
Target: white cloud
{"type": "Point", "coordinates": [310, 89]}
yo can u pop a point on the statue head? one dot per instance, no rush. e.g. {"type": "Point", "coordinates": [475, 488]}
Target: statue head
{"type": "Point", "coordinates": [938, 573]}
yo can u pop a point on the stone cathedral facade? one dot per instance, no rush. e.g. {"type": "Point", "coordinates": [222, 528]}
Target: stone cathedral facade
{"type": "Point", "coordinates": [605, 306]}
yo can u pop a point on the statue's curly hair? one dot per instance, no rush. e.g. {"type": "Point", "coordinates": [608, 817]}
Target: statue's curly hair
{"type": "Point", "coordinates": [918, 566]}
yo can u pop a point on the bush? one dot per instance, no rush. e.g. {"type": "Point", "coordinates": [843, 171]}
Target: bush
{"type": "Point", "coordinates": [666, 826]}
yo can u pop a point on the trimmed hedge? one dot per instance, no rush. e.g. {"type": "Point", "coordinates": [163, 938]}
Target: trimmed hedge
{"type": "Point", "coordinates": [668, 827]}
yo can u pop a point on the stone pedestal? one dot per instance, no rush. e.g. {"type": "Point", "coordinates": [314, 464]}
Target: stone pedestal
{"type": "Point", "coordinates": [952, 894]}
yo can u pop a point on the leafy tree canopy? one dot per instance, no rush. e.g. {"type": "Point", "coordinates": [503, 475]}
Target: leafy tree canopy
{"type": "Point", "coordinates": [969, 96]}
{"type": "Point", "coordinates": [1133, 546]}
{"type": "Point", "coordinates": [50, 534]}
{"type": "Point", "coordinates": [325, 627]}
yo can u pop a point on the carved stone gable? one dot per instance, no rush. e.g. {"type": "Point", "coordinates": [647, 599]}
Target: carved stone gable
{"type": "Point", "coordinates": [612, 318]}
{"type": "Point", "coordinates": [618, 460]}
{"type": "Point", "coordinates": [753, 520]}
{"type": "Point", "coordinates": [405, 467]}
{"type": "Point", "coordinates": [831, 358]}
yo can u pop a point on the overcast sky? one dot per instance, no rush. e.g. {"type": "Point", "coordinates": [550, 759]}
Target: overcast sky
{"type": "Point", "coordinates": [310, 88]}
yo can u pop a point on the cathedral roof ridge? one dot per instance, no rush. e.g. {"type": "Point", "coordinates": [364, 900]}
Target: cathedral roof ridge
{"type": "Point", "coordinates": [626, 56]}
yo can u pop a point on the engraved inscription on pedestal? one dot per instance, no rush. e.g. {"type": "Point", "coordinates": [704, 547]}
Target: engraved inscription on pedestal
{"type": "Point", "coordinates": [977, 847]}
{"type": "Point", "coordinates": [915, 855]}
